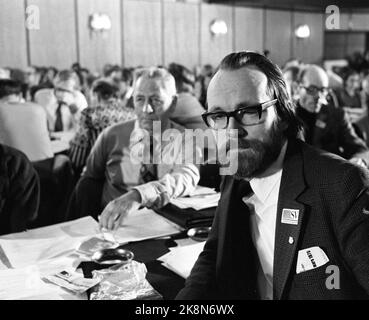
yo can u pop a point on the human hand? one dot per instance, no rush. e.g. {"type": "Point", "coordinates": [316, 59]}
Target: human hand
{"type": "Point", "coordinates": [116, 210]}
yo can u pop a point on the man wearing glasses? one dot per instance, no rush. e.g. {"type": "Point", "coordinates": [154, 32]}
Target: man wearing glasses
{"type": "Point", "coordinates": [326, 125]}
{"type": "Point", "coordinates": [291, 214]}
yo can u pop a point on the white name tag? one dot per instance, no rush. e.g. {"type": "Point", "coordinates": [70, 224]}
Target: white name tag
{"type": "Point", "coordinates": [310, 258]}
{"type": "Point", "coordinates": [290, 216]}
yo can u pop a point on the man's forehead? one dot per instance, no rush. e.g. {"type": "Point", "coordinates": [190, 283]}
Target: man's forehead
{"type": "Point", "coordinates": [146, 85]}
{"type": "Point", "coordinates": [248, 82]}
{"type": "Point", "coordinates": [315, 77]}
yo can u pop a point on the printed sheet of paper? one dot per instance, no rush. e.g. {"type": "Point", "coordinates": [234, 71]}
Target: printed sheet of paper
{"type": "Point", "coordinates": [145, 224]}
{"type": "Point", "coordinates": [181, 260]}
{"type": "Point", "coordinates": [86, 226]}
{"type": "Point", "coordinates": [26, 284]}
{"type": "Point", "coordinates": [25, 252]}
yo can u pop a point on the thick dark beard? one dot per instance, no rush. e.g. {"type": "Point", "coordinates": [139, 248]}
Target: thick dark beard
{"type": "Point", "coordinates": [255, 156]}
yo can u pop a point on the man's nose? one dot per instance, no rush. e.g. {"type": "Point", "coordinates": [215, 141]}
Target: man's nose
{"type": "Point", "coordinates": [235, 129]}
{"type": "Point", "coordinates": [322, 98]}
{"type": "Point", "coordinates": [148, 108]}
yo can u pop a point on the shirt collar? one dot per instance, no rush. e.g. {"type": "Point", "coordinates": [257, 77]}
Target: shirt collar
{"type": "Point", "coordinates": [263, 186]}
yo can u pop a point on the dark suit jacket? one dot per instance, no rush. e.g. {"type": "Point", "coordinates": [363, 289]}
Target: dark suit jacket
{"type": "Point", "coordinates": [332, 131]}
{"type": "Point", "coordinates": [19, 191]}
{"type": "Point", "coordinates": [332, 197]}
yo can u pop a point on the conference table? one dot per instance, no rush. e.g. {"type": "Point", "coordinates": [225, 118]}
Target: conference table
{"type": "Point", "coordinates": [163, 280]}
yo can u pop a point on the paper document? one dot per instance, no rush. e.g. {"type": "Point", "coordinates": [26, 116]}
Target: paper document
{"type": "Point", "coordinates": [197, 202]}
{"type": "Point", "coordinates": [181, 260]}
{"type": "Point", "coordinates": [86, 226]}
{"type": "Point", "coordinates": [58, 146]}
{"type": "Point", "coordinates": [145, 224]}
{"type": "Point", "coordinates": [26, 283]}
{"type": "Point", "coordinates": [25, 252]}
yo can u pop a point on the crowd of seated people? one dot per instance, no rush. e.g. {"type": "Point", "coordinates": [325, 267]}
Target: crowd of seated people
{"type": "Point", "coordinates": [100, 113]}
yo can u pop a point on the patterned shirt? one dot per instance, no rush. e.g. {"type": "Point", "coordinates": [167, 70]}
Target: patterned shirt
{"type": "Point", "coordinates": [92, 122]}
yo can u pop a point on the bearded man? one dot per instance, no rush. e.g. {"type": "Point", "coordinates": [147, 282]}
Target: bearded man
{"type": "Point", "coordinates": [292, 222]}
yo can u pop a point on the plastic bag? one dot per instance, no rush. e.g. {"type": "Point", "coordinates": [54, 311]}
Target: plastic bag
{"type": "Point", "coordinates": [123, 282]}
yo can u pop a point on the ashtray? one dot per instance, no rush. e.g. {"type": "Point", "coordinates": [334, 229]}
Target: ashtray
{"type": "Point", "coordinates": [112, 256]}
{"type": "Point", "coordinates": [199, 233]}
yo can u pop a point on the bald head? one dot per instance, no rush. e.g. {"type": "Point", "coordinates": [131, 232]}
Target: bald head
{"type": "Point", "coordinates": [312, 82]}
{"type": "Point", "coordinates": [313, 75]}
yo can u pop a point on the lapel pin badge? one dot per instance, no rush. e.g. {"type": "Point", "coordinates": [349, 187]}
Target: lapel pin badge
{"type": "Point", "coordinates": [290, 216]}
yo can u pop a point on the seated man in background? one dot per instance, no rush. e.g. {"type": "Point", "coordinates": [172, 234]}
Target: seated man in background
{"type": "Point", "coordinates": [63, 103]}
{"type": "Point", "coordinates": [23, 125]}
{"type": "Point", "coordinates": [19, 191]}
{"type": "Point", "coordinates": [114, 181]}
{"type": "Point", "coordinates": [94, 119]}
{"type": "Point", "coordinates": [326, 126]}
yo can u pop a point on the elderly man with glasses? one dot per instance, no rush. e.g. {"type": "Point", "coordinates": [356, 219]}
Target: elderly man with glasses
{"type": "Point", "coordinates": [326, 126]}
{"type": "Point", "coordinates": [292, 222]}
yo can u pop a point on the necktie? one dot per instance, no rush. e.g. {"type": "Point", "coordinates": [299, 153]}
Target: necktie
{"type": "Point", "coordinates": [148, 171]}
{"type": "Point", "coordinates": [58, 120]}
{"type": "Point", "coordinates": [244, 189]}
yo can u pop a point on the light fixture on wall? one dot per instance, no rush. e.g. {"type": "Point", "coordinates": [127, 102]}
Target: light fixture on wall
{"type": "Point", "coordinates": [218, 27]}
{"type": "Point", "coordinates": [302, 31]}
{"type": "Point", "coordinates": [99, 22]}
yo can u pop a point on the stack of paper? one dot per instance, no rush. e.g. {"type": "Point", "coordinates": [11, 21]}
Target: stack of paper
{"type": "Point", "coordinates": [145, 224]}
{"type": "Point", "coordinates": [26, 283]}
{"type": "Point", "coordinates": [181, 260]}
{"type": "Point", "coordinates": [197, 202]}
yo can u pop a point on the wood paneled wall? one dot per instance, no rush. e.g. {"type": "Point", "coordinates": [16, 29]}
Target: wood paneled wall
{"type": "Point", "coordinates": [13, 41]}
{"type": "Point", "coordinates": [249, 29]}
{"type": "Point", "coordinates": [95, 49]}
{"type": "Point", "coordinates": [54, 44]}
{"type": "Point", "coordinates": [311, 49]}
{"type": "Point", "coordinates": [151, 32]}
{"type": "Point", "coordinates": [181, 33]}
{"type": "Point", "coordinates": [213, 48]}
{"type": "Point", "coordinates": [142, 29]}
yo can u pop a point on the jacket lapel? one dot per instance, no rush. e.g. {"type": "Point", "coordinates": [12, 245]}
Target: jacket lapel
{"type": "Point", "coordinates": [288, 223]}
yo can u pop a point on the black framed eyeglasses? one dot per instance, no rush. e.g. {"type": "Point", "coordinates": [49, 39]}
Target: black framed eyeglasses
{"type": "Point", "coordinates": [314, 90]}
{"type": "Point", "coordinates": [244, 115]}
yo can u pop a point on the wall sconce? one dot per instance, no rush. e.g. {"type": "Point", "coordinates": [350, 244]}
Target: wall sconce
{"type": "Point", "coordinates": [302, 31]}
{"type": "Point", "coordinates": [218, 27]}
{"type": "Point", "coordinates": [99, 22]}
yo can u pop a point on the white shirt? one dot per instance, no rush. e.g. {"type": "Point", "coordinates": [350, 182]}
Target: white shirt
{"type": "Point", "coordinates": [111, 159]}
{"type": "Point", "coordinates": [47, 99]}
{"type": "Point", "coordinates": [24, 126]}
{"type": "Point", "coordinates": [263, 206]}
